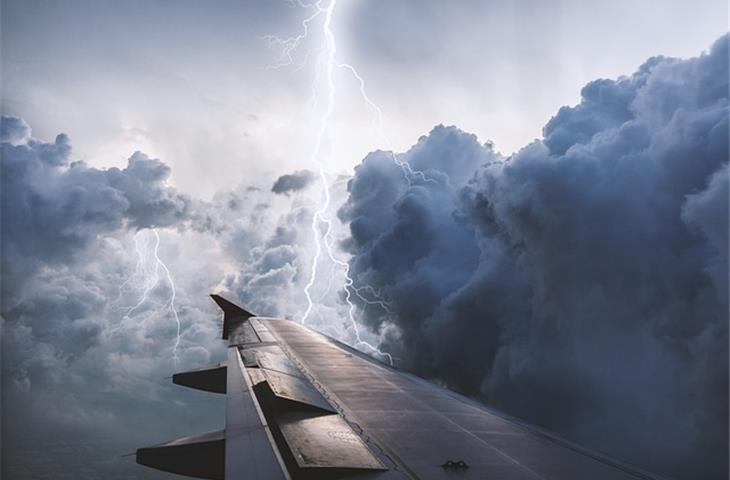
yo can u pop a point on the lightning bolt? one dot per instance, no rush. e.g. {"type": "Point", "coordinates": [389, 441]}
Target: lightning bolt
{"type": "Point", "coordinates": [321, 224]}
{"type": "Point", "coordinates": [171, 303]}
{"type": "Point", "coordinates": [288, 46]}
{"type": "Point", "coordinates": [150, 280]}
{"type": "Point", "coordinates": [408, 171]}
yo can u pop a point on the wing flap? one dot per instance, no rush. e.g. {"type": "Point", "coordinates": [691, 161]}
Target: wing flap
{"type": "Point", "coordinates": [242, 334]}
{"type": "Point", "coordinates": [261, 330]}
{"type": "Point", "coordinates": [326, 441]}
{"type": "Point", "coordinates": [296, 390]}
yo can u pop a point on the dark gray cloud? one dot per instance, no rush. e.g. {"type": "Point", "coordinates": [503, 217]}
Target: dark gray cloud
{"type": "Point", "coordinates": [53, 208]}
{"type": "Point", "coordinates": [293, 182]}
{"type": "Point", "coordinates": [580, 284]}
{"type": "Point", "coordinates": [77, 363]}
{"type": "Point", "coordinates": [88, 331]}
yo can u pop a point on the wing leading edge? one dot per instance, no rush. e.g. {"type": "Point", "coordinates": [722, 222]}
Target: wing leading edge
{"type": "Point", "coordinates": [300, 405]}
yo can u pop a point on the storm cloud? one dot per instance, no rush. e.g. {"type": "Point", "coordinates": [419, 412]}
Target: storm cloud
{"type": "Point", "coordinates": [293, 182]}
{"type": "Point", "coordinates": [80, 366]}
{"type": "Point", "coordinates": [53, 208]}
{"type": "Point", "coordinates": [581, 283]}
{"type": "Point", "coordinates": [89, 323]}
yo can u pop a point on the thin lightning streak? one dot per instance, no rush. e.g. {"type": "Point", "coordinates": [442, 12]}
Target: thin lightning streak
{"type": "Point", "coordinates": [367, 301]}
{"type": "Point", "coordinates": [289, 45]}
{"type": "Point", "coordinates": [150, 282]}
{"type": "Point", "coordinates": [351, 306]}
{"type": "Point", "coordinates": [137, 270]}
{"type": "Point", "coordinates": [150, 285]}
{"type": "Point", "coordinates": [319, 215]}
{"type": "Point", "coordinates": [171, 303]}
{"type": "Point", "coordinates": [358, 292]}
{"type": "Point", "coordinates": [408, 172]}
{"type": "Point", "coordinates": [321, 224]}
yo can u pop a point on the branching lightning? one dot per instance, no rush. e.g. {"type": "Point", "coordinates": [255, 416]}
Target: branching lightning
{"type": "Point", "coordinates": [150, 279]}
{"type": "Point", "coordinates": [171, 303]}
{"type": "Point", "coordinates": [289, 45]}
{"type": "Point", "coordinates": [408, 172]}
{"type": "Point", "coordinates": [321, 224]}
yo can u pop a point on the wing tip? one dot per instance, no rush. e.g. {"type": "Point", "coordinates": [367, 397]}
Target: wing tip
{"type": "Point", "coordinates": [230, 311]}
{"type": "Point", "coordinates": [230, 308]}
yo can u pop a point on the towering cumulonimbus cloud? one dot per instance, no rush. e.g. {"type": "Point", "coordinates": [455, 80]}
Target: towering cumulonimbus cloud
{"type": "Point", "coordinates": [581, 283]}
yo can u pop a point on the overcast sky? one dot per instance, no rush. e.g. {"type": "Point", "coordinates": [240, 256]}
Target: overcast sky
{"type": "Point", "coordinates": [601, 242]}
{"type": "Point", "coordinates": [186, 81]}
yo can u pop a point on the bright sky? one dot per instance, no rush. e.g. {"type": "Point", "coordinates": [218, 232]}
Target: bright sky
{"type": "Point", "coordinates": [186, 80]}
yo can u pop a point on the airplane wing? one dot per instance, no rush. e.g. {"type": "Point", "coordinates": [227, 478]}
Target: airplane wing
{"type": "Point", "coordinates": [301, 405]}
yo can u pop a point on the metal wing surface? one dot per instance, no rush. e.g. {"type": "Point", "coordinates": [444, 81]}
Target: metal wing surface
{"type": "Point", "coordinates": [300, 405]}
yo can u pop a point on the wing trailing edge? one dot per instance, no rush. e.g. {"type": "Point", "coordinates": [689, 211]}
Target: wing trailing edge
{"type": "Point", "coordinates": [199, 456]}
{"type": "Point", "coordinates": [211, 379]}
